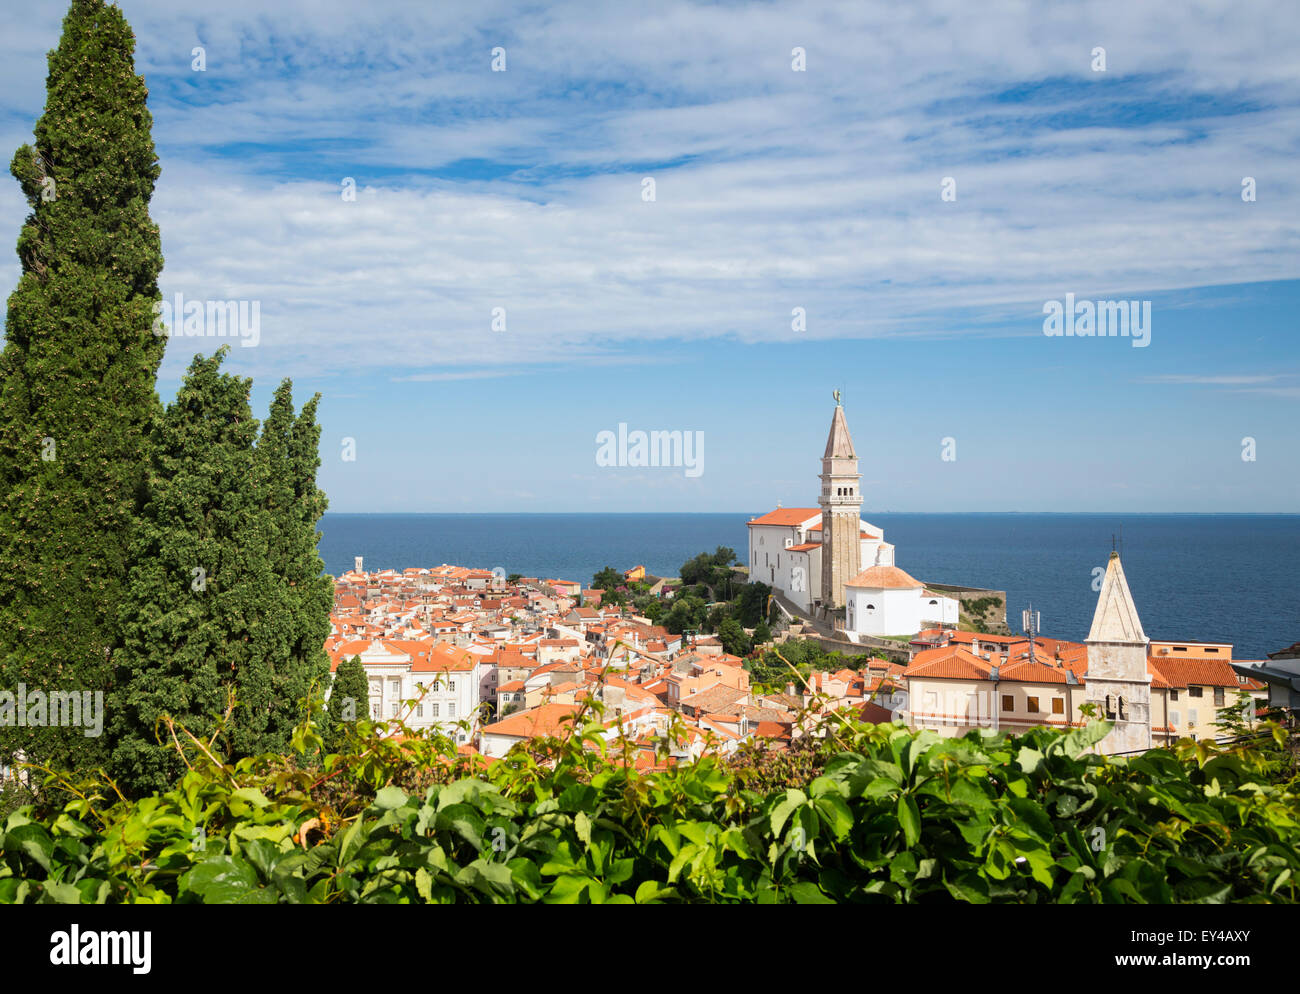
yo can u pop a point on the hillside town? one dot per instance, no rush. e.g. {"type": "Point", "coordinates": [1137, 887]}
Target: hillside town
{"type": "Point", "coordinates": [492, 664]}
{"type": "Point", "coordinates": [493, 661]}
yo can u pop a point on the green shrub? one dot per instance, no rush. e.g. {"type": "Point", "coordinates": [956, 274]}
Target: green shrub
{"type": "Point", "coordinates": [866, 814]}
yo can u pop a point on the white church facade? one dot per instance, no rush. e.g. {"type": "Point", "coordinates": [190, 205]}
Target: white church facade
{"type": "Point", "coordinates": [828, 562]}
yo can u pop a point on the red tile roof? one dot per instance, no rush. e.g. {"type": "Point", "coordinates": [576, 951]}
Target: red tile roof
{"type": "Point", "coordinates": [1203, 672]}
{"type": "Point", "coordinates": [547, 719]}
{"type": "Point", "coordinates": [884, 577]}
{"type": "Point", "coordinates": [789, 516]}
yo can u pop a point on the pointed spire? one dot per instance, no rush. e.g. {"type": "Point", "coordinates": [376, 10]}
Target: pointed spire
{"type": "Point", "coordinates": [838, 444]}
{"type": "Point", "coordinates": [1116, 618]}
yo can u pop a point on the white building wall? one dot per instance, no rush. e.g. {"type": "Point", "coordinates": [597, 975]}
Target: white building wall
{"type": "Point", "coordinates": [875, 611]}
{"type": "Point", "coordinates": [451, 697]}
{"type": "Point", "coordinates": [770, 563]}
{"type": "Point", "coordinates": [943, 611]}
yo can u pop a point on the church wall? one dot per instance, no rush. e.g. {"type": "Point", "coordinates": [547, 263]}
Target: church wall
{"type": "Point", "coordinates": [1119, 669]}
{"type": "Point", "coordinates": [943, 611]}
{"type": "Point", "coordinates": [1127, 736]}
{"type": "Point", "coordinates": [770, 562]}
{"type": "Point", "coordinates": [896, 612]}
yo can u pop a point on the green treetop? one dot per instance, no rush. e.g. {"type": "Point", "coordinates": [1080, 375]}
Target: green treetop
{"type": "Point", "coordinates": [77, 374]}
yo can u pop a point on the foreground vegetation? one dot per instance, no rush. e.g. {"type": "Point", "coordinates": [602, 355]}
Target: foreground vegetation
{"type": "Point", "coordinates": [865, 814]}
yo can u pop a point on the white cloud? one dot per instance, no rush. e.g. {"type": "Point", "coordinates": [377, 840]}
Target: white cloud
{"type": "Point", "coordinates": [817, 189]}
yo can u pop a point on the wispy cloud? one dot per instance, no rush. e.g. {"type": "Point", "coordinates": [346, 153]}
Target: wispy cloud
{"type": "Point", "coordinates": [775, 189]}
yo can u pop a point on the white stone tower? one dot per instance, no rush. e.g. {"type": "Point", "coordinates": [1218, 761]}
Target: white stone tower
{"type": "Point", "coordinates": [841, 504]}
{"type": "Point", "coordinates": [1118, 680]}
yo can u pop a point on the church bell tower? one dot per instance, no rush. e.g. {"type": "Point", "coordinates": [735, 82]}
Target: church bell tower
{"type": "Point", "coordinates": [1118, 679]}
{"type": "Point", "coordinates": [841, 504]}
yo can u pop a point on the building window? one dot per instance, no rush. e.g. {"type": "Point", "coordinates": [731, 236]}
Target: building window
{"type": "Point", "coordinates": [393, 709]}
{"type": "Point", "coordinates": [451, 686]}
{"type": "Point", "coordinates": [419, 710]}
{"type": "Point", "coordinates": [1212, 650]}
{"type": "Point", "coordinates": [1193, 691]}
{"type": "Point", "coordinates": [1173, 717]}
{"type": "Point", "coordinates": [1180, 648]}
{"type": "Point", "coordinates": [433, 710]}
{"type": "Point", "coordinates": [1033, 705]}
{"type": "Point", "coordinates": [1191, 718]}
{"type": "Point", "coordinates": [451, 709]}
{"type": "Point", "coordinates": [1173, 695]}
{"type": "Point", "coordinates": [1058, 705]}
{"type": "Point", "coordinates": [374, 711]}
{"type": "Point", "coordinates": [1008, 702]}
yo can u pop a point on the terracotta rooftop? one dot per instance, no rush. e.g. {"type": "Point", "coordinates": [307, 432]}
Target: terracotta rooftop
{"type": "Point", "coordinates": [883, 577]}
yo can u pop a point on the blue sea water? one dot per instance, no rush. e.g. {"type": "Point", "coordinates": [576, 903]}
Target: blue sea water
{"type": "Point", "coordinates": [1206, 577]}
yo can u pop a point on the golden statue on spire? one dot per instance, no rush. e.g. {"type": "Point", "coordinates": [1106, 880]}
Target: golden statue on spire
{"type": "Point", "coordinates": [837, 398]}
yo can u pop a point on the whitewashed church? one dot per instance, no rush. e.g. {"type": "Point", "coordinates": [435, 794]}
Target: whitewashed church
{"type": "Point", "coordinates": [832, 564]}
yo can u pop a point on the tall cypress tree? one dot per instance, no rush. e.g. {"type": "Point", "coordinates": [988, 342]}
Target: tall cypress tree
{"type": "Point", "coordinates": [349, 701]}
{"type": "Point", "coordinates": [206, 612]}
{"type": "Point", "coordinates": [312, 587]}
{"type": "Point", "coordinates": [77, 374]}
{"type": "Point", "coordinates": [227, 592]}
{"type": "Point", "coordinates": [287, 459]}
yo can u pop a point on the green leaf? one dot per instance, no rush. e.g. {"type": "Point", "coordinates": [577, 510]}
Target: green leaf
{"type": "Point", "coordinates": [970, 888]}
{"type": "Point", "coordinates": [60, 893]}
{"type": "Point", "coordinates": [32, 841]}
{"type": "Point", "coordinates": [582, 825]}
{"type": "Point", "coordinates": [652, 892]}
{"type": "Point", "coordinates": [909, 817]}
{"type": "Point", "coordinates": [836, 814]}
{"type": "Point", "coordinates": [222, 879]}
{"type": "Point", "coordinates": [252, 795]}
{"type": "Point", "coordinates": [526, 877]}
{"type": "Point", "coordinates": [809, 893]}
{"type": "Point", "coordinates": [1029, 759]}
{"type": "Point", "coordinates": [390, 798]}
{"type": "Point", "coordinates": [793, 800]}
{"type": "Point", "coordinates": [492, 879]}
{"type": "Point", "coordinates": [567, 889]}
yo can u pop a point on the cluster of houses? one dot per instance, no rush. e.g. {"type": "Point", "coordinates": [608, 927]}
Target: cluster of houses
{"type": "Point", "coordinates": [493, 664]}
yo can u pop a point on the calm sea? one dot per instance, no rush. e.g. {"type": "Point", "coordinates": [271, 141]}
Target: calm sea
{"type": "Point", "coordinates": [1232, 577]}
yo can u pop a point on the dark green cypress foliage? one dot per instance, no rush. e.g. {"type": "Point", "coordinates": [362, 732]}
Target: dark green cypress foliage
{"type": "Point", "coordinates": [229, 592]}
{"type": "Point", "coordinates": [349, 701]}
{"type": "Point", "coordinates": [206, 611]}
{"type": "Point", "coordinates": [77, 375]}
{"type": "Point", "coordinates": [287, 460]}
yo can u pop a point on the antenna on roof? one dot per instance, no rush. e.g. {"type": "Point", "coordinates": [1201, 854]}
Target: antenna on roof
{"type": "Point", "coordinates": [1031, 621]}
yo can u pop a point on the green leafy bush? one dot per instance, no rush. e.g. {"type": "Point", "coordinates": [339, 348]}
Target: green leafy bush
{"type": "Point", "coordinates": [865, 814]}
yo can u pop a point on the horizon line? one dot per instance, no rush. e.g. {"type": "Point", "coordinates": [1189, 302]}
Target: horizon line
{"type": "Point", "coordinates": [588, 513]}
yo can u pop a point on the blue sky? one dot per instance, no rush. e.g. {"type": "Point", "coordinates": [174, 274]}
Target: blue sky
{"type": "Point", "coordinates": [774, 190]}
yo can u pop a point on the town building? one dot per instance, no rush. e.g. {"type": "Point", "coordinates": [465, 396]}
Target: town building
{"type": "Point", "coordinates": [829, 563]}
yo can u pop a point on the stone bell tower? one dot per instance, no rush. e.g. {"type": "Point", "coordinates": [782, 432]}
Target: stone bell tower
{"type": "Point", "coordinates": [1118, 681]}
{"type": "Point", "coordinates": [841, 504]}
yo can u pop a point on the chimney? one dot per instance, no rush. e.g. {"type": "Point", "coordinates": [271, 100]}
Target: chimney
{"type": "Point", "coordinates": [975, 646]}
